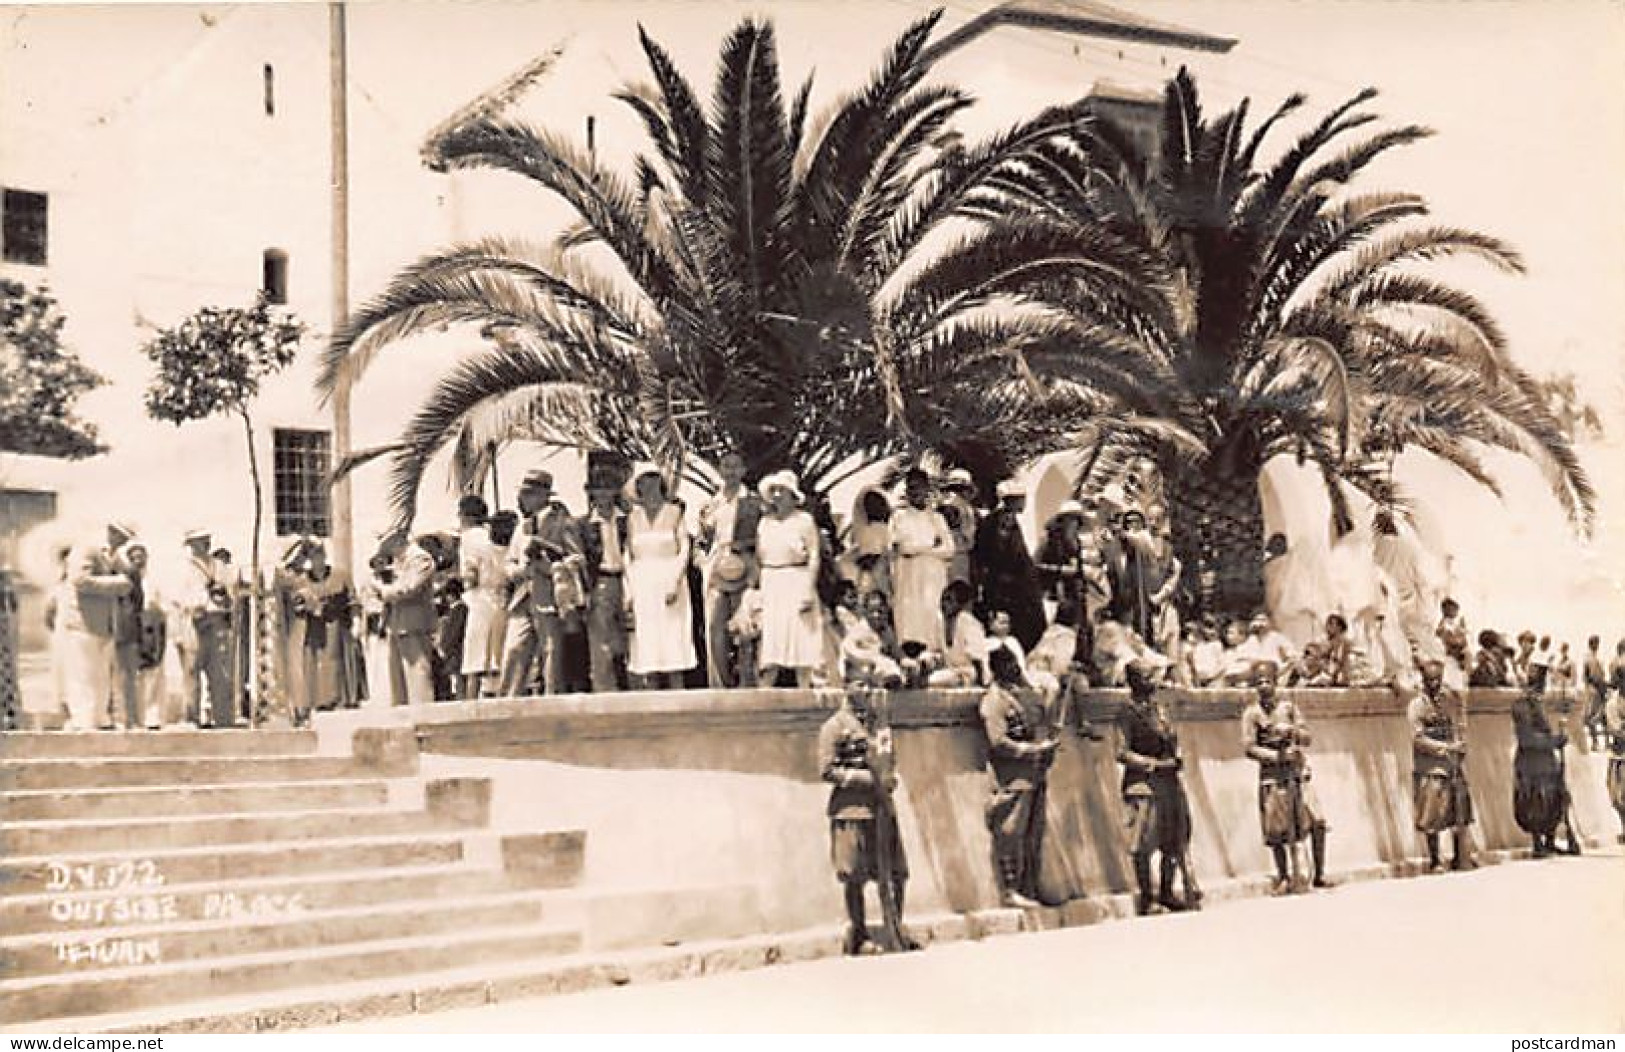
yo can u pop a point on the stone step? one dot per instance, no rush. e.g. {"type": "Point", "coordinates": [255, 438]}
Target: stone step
{"type": "Point", "coordinates": [297, 928]}
{"type": "Point", "coordinates": [152, 801]}
{"type": "Point", "coordinates": [61, 838]}
{"type": "Point", "coordinates": [123, 989]}
{"type": "Point", "coordinates": [102, 773]}
{"type": "Point", "coordinates": [172, 743]}
{"type": "Point", "coordinates": [248, 899]}
{"type": "Point", "coordinates": [144, 872]}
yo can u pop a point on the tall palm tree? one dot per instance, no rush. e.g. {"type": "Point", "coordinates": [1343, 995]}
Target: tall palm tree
{"type": "Point", "coordinates": [1295, 316]}
{"type": "Point", "coordinates": [806, 296]}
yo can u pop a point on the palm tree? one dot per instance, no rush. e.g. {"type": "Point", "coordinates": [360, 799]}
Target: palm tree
{"type": "Point", "coordinates": [807, 298]}
{"type": "Point", "coordinates": [1294, 317]}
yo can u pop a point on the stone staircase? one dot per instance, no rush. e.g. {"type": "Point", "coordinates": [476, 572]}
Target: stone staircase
{"type": "Point", "coordinates": [166, 879]}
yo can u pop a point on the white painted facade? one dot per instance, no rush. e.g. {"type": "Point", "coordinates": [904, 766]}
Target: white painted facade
{"type": "Point", "coordinates": [168, 180]}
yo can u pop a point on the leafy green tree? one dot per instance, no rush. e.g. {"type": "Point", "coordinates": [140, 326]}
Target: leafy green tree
{"type": "Point", "coordinates": [807, 293]}
{"type": "Point", "coordinates": [40, 379]}
{"type": "Point", "coordinates": [212, 364]}
{"type": "Point", "coordinates": [1293, 315]}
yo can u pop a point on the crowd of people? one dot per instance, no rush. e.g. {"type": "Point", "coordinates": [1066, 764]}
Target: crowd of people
{"type": "Point", "coordinates": [759, 586]}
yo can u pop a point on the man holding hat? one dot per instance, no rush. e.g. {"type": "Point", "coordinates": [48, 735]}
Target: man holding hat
{"type": "Point", "coordinates": [203, 641]}
{"type": "Point", "coordinates": [547, 535]}
{"type": "Point", "coordinates": [1007, 578]}
{"type": "Point", "coordinates": [88, 620]}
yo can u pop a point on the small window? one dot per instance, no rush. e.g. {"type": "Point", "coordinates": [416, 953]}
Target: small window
{"type": "Point", "coordinates": [301, 462]}
{"type": "Point", "coordinates": [25, 229]}
{"type": "Point", "coordinates": [275, 276]}
{"type": "Point", "coordinates": [270, 91]}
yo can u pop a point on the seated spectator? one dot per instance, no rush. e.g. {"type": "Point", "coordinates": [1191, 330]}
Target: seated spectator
{"type": "Point", "coordinates": [964, 662]}
{"type": "Point", "coordinates": [1205, 660]}
{"type": "Point", "coordinates": [1493, 667]}
{"type": "Point", "coordinates": [1263, 643]}
{"type": "Point", "coordinates": [868, 647]}
{"type": "Point", "coordinates": [1345, 662]}
{"type": "Point", "coordinates": [1312, 669]}
{"type": "Point", "coordinates": [999, 628]}
{"type": "Point", "coordinates": [1118, 646]}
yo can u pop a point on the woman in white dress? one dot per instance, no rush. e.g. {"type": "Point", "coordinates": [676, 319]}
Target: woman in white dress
{"type": "Point", "coordinates": [788, 545]}
{"type": "Point", "coordinates": [482, 564]}
{"type": "Point", "coordinates": [922, 547]}
{"type": "Point", "coordinates": [662, 647]}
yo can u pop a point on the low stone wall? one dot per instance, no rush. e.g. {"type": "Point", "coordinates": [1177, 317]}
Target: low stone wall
{"type": "Point", "coordinates": [720, 790]}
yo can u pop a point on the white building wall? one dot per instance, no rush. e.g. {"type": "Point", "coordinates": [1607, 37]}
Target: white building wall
{"type": "Point", "coordinates": [167, 181]}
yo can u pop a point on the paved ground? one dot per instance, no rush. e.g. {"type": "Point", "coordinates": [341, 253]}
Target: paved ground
{"type": "Point", "coordinates": [1518, 948]}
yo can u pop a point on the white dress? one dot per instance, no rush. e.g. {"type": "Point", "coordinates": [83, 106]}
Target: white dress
{"type": "Point", "coordinates": [792, 637]}
{"type": "Point", "coordinates": [919, 574]}
{"type": "Point", "coordinates": [483, 567]}
{"type": "Point", "coordinates": [657, 557]}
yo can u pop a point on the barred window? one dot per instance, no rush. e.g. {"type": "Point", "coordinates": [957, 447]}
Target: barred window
{"type": "Point", "coordinates": [301, 463]}
{"type": "Point", "coordinates": [25, 229]}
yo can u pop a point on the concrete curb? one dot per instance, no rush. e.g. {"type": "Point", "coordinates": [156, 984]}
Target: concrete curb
{"type": "Point", "coordinates": [583, 972]}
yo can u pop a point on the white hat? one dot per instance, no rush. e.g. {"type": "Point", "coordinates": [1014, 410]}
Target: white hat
{"type": "Point", "coordinates": [196, 535]}
{"type": "Point", "coordinates": [1069, 507]}
{"type": "Point", "coordinates": [959, 478]}
{"type": "Point", "coordinates": [1011, 488]}
{"type": "Point", "coordinates": [781, 480]}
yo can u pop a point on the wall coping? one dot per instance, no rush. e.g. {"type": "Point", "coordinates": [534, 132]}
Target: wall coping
{"type": "Point", "coordinates": [659, 713]}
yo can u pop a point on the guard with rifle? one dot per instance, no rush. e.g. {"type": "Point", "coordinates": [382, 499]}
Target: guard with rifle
{"type": "Point", "coordinates": [1273, 733]}
{"type": "Point", "coordinates": [855, 756]}
{"type": "Point", "coordinates": [1443, 800]}
{"type": "Point", "coordinates": [1159, 818]}
{"type": "Point", "coordinates": [1021, 748]}
{"type": "Point", "coordinates": [1614, 726]}
{"type": "Point", "coordinates": [1540, 792]}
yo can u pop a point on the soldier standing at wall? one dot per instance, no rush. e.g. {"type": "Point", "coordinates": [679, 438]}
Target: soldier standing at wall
{"type": "Point", "coordinates": [1614, 725]}
{"type": "Point", "coordinates": [1443, 799]}
{"type": "Point", "coordinates": [1540, 792]}
{"type": "Point", "coordinates": [1159, 818]}
{"type": "Point", "coordinates": [1019, 753]}
{"type": "Point", "coordinates": [1273, 733]}
{"type": "Point", "coordinates": [847, 744]}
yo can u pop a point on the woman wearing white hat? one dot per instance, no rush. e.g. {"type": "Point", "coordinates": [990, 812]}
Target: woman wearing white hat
{"type": "Point", "coordinates": [657, 548]}
{"type": "Point", "coordinates": [788, 546]}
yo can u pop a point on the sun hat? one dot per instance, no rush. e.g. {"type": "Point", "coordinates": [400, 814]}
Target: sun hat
{"type": "Point", "coordinates": [781, 480]}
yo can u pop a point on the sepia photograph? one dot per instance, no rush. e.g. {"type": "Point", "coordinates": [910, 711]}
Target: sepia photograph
{"type": "Point", "coordinates": [813, 516]}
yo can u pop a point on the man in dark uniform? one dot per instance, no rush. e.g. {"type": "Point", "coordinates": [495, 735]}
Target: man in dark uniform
{"type": "Point", "coordinates": [1020, 752]}
{"type": "Point", "coordinates": [1540, 793]}
{"type": "Point", "coordinates": [848, 751]}
{"type": "Point", "coordinates": [1443, 799]}
{"type": "Point", "coordinates": [1273, 733]}
{"type": "Point", "coordinates": [1614, 724]}
{"type": "Point", "coordinates": [1158, 812]}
